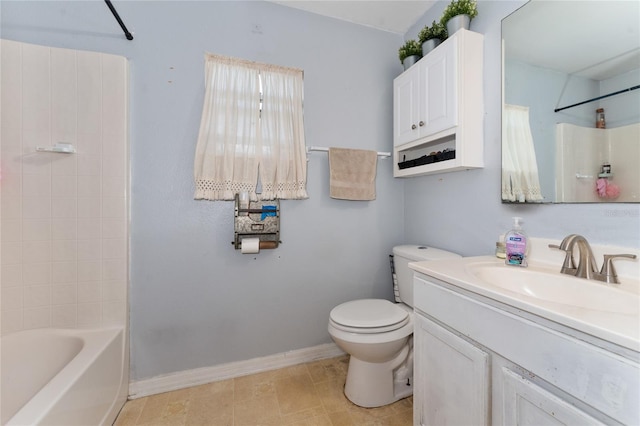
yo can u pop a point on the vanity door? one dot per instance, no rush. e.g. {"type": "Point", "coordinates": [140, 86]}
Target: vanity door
{"type": "Point", "coordinates": [452, 384]}
{"type": "Point", "coordinates": [527, 404]}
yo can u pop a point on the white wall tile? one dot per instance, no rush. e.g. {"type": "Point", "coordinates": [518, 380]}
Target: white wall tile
{"type": "Point", "coordinates": [114, 313]}
{"type": "Point", "coordinates": [37, 317]}
{"type": "Point", "coordinates": [64, 93]}
{"type": "Point", "coordinates": [11, 207]}
{"type": "Point", "coordinates": [11, 253]}
{"type": "Point", "coordinates": [36, 185]}
{"type": "Point", "coordinates": [11, 321]}
{"type": "Point", "coordinates": [64, 294]}
{"type": "Point", "coordinates": [114, 207]}
{"type": "Point", "coordinates": [89, 207]}
{"type": "Point", "coordinates": [89, 145]}
{"type": "Point", "coordinates": [11, 275]}
{"type": "Point", "coordinates": [64, 207]}
{"type": "Point", "coordinates": [12, 298]}
{"type": "Point", "coordinates": [89, 314]}
{"type": "Point", "coordinates": [64, 316]}
{"type": "Point", "coordinates": [114, 290]}
{"type": "Point", "coordinates": [64, 272]}
{"type": "Point", "coordinates": [89, 228]}
{"type": "Point", "coordinates": [11, 230]}
{"type": "Point", "coordinates": [115, 269]}
{"type": "Point", "coordinates": [89, 270]}
{"type": "Point", "coordinates": [89, 165]}
{"type": "Point", "coordinates": [90, 186]}
{"type": "Point", "coordinates": [11, 102]}
{"type": "Point", "coordinates": [89, 92]}
{"type": "Point", "coordinates": [36, 88]}
{"type": "Point", "coordinates": [89, 292]}
{"type": "Point", "coordinates": [11, 182]}
{"type": "Point", "coordinates": [36, 207]}
{"type": "Point", "coordinates": [89, 250]}
{"type": "Point", "coordinates": [36, 229]}
{"type": "Point", "coordinates": [64, 165]}
{"type": "Point", "coordinates": [63, 185]}
{"type": "Point", "coordinates": [37, 295]}
{"type": "Point", "coordinates": [64, 229]}
{"type": "Point", "coordinates": [114, 228]}
{"type": "Point", "coordinates": [55, 268]}
{"type": "Point", "coordinates": [36, 251]}
{"type": "Point", "coordinates": [64, 250]}
{"type": "Point", "coordinates": [36, 273]}
{"type": "Point", "coordinates": [114, 248]}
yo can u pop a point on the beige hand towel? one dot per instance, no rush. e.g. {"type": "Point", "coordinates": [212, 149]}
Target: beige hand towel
{"type": "Point", "coordinates": [352, 174]}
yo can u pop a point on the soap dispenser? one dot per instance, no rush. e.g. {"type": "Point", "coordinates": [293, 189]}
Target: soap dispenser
{"type": "Point", "coordinates": [516, 244]}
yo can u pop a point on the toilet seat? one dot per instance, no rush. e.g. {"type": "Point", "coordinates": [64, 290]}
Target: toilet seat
{"type": "Point", "coordinates": [368, 316]}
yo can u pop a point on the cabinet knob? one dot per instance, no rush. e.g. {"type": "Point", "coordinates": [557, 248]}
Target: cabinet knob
{"type": "Point", "coordinates": [421, 123]}
{"type": "Point", "coordinates": [413, 127]}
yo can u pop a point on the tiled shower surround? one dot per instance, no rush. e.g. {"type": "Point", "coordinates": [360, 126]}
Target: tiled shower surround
{"type": "Point", "coordinates": [64, 217]}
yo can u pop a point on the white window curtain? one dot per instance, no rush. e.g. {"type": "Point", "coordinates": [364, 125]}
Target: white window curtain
{"type": "Point", "coordinates": [520, 181]}
{"type": "Point", "coordinates": [237, 140]}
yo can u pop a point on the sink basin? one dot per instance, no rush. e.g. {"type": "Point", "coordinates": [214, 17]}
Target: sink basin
{"type": "Point", "coordinates": [555, 287]}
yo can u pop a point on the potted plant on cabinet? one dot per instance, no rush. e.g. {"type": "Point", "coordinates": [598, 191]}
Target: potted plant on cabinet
{"type": "Point", "coordinates": [431, 36]}
{"type": "Point", "coordinates": [410, 53]}
{"type": "Point", "coordinates": [458, 14]}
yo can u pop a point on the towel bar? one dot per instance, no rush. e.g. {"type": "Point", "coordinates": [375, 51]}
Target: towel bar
{"type": "Point", "coordinates": [325, 149]}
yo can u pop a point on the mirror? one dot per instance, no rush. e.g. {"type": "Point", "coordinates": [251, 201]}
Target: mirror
{"type": "Point", "coordinates": [571, 102]}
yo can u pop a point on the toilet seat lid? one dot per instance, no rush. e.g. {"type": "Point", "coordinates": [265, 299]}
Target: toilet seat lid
{"type": "Point", "coordinates": [369, 314]}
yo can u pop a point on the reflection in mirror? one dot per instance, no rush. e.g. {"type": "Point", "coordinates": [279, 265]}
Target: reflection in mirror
{"type": "Point", "coordinates": [571, 93]}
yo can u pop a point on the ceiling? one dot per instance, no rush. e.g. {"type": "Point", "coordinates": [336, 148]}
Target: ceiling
{"type": "Point", "coordinates": [395, 16]}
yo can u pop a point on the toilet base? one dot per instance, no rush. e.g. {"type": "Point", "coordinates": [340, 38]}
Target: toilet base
{"type": "Point", "coordinates": [374, 384]}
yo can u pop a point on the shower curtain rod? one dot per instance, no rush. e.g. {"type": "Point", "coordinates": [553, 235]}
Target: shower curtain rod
{"type": "Point", "coordinates": [127, 34]}
{"type": "Point", "coordinates": [599, 97]}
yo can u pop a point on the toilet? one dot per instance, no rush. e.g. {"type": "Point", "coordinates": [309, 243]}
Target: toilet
{"type": "Point", "coordinates": [378, 335]}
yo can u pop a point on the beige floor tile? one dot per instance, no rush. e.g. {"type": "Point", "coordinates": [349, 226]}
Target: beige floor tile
{"type": "Point", "coordinates": [297, 393]}
{"type": "Point", "coordinates": [309, 394]}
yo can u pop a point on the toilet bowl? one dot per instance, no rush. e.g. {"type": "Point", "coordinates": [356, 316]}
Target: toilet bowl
{"type": "Point", "coordinates": [378, 336]}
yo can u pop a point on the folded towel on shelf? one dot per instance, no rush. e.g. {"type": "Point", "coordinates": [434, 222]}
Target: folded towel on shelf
{"type": "Point", "coordinates": [352, 174]}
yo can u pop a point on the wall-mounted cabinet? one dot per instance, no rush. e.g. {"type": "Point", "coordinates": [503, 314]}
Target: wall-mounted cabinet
{"type": "Point", "coordinates": [438, 109]}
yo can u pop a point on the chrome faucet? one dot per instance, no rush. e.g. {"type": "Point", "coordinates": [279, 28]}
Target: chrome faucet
{"type": "Point", "coordinates": [587, 265]}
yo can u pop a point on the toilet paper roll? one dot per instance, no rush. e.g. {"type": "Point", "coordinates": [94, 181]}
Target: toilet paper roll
{"type": "Point", "coordinates": [250, 245]}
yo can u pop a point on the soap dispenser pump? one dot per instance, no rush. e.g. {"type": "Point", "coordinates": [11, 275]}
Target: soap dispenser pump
{"type": "Point", "coordinates": [516, 244]}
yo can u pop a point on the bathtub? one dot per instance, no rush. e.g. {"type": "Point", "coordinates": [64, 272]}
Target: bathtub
{"type": "Point", "coordinates": [62, 377]}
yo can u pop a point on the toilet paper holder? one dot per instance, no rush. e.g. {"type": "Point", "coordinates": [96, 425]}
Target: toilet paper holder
{"type": "Point", "coordinates": [261, 219]}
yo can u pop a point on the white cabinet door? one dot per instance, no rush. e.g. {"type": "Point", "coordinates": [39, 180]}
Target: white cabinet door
{"type": "Point", "coordinates": [526, 404]}
{"type": "Point", "coordinates": [451, 384]}
{"type": "Point", "coordinates": [406, 106]}
{"type": "Point", "coordinates": [438, 90]}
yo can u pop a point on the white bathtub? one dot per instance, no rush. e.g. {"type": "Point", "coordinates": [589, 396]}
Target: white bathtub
{"type": "Point", "coordinates": [62, 377]}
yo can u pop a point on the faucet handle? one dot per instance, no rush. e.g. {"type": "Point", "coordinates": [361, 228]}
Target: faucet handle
{"type": "Point", "coordinates": [569, 265]}
{"type": "Point", "coordinates": [608, 272]}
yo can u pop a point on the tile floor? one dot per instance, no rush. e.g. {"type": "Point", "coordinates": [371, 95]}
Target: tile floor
{"type": "Point", "coordinates": [303, 395]}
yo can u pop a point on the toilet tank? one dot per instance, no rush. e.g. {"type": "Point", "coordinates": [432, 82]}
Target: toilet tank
{"type": "Point", "coordinates": [403, 255]}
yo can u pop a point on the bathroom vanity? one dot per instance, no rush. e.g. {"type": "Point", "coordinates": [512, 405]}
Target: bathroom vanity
{"type": "Point", "coordinates": [494, 347]}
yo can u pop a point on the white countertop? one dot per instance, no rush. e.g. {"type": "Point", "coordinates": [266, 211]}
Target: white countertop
{"type": "Point", "coordinates": [619, 328]}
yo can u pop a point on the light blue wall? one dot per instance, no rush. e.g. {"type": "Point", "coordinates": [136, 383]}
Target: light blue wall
{"type": "Point", "coordinates": [462, 211]}
{"type": "Point", "coordinates": [195, 301]}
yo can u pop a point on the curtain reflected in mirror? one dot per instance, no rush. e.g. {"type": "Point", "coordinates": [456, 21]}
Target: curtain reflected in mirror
{"type": "Point", "coordinates": [520, 182]}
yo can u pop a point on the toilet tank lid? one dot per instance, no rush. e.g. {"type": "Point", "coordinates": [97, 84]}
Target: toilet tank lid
{"type": "Point", "coordinates": [417, 253]}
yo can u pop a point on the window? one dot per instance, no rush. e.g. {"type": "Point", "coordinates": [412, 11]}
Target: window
{"type": "Point", "coordinates": [251, 127]}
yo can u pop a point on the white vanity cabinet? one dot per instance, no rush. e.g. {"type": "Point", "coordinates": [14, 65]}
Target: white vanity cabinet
{"type": "Point", "coordinates": [437, 106]}
{"type": "Point", "coordinates": [481, 362]}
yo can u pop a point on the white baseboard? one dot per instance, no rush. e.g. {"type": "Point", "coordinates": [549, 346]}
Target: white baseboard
{"type": "Point", "coordinates": [199, 376]}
